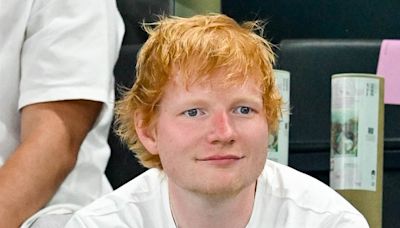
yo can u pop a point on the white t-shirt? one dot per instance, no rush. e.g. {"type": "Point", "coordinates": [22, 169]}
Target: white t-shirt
{"type": "Point", "coordinates": [284, 198]}
{"type": "Point", "coordinates": [54, 50]}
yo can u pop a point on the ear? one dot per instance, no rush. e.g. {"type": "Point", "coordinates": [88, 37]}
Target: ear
{"type": "Point", "coordinates": [146, 134]}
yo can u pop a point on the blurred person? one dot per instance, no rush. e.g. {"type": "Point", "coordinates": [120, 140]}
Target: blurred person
{"type": "Point", "coordinates": [199, 116]}
{"type": "Point", "coordinates": [56, 101]}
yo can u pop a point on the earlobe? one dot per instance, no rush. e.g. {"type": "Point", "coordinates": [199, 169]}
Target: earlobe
{"type": "Point", "coordinates": [146, 134]}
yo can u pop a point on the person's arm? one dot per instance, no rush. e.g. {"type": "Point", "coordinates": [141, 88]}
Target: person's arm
{"type": "Point", "coordinates": [51, 135]}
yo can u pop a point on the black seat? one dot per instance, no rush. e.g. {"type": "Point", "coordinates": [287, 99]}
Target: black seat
{"type": "Point", "coordinates": [311, 63]}
{"type": "Point", "coordinates": [123, 165]}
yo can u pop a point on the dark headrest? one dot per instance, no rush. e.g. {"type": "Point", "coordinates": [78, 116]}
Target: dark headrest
{"type": "Point", "coordinates": [134, 12]}
{"type": "Point", "coordinates": [311, 63]}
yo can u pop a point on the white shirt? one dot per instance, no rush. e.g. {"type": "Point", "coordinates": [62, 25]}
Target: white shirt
{"type": "Point", "coordinates": [54, 50]}
{"type": "Point", "coordinates": [284, 198]}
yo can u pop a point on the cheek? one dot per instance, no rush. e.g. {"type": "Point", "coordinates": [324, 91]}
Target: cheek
{"type": "Point", "coordinates": [257, 139]}
{"type": "Point", "coordinates": [258, 131]}
{"type": "Point", "coordinates": [175, 136]}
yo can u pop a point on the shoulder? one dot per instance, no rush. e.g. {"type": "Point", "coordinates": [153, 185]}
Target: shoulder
{"type": "Point", "coordinates": [302, 192]}
{"type": "Point", "coordinates": [143, 188]}
{"type": "Point", "coordinates": [286, 197]}
{"type": "Point", "coordinates": [127, 204]}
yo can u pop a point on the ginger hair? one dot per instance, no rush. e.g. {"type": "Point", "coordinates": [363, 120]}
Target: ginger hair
{"type": "Point", "coordinates": [197, 46]}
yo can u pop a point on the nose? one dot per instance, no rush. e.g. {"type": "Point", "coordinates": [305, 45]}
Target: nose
{"type": "Point", "coordinates": [222, 129]}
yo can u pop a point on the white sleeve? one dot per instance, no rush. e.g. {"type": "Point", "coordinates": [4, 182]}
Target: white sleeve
{"type": "Point", "coordinates": [346, 220]}
{"type": "Point", "coordinates": [75, 222]}
{"type": "Point", "coordinates": [70, 50]}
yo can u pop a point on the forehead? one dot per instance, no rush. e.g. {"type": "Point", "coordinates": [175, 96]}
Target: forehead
{"type": "Point", "coordinates": [221, 78]}
{"type": "Point", "coordinates": [177, 94]}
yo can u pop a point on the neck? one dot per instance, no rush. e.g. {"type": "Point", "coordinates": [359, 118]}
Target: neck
{"type": "Point", "coordinates": [191, 209]}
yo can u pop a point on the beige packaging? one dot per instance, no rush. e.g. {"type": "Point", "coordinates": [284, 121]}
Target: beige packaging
{"type": "Point", "coordinates": [357, 123]}
{"type": "Point", "coordinates": [278, 148]}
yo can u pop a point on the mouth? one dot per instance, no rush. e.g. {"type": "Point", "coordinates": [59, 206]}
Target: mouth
{"type": "Point", "coordinates": [220, 157]}
{"type": "Point", "coordinates": [221, 160]}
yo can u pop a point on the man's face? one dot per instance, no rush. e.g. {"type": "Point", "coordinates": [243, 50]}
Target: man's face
{"type": "Point", "coordinates": [211, 139]}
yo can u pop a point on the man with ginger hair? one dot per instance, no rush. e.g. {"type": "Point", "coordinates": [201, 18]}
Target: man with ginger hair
{"type": "Point", "coordinates": [199, 116]}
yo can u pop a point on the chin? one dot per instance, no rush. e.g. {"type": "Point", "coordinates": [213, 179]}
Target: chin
{"type": "Point", "coordinates": [221, 189]}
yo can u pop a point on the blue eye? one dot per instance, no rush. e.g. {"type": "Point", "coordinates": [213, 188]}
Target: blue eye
{"type": "Point", "coordinates": [243, 110]}
{"type": "Point", "coordinates": [192, 112]}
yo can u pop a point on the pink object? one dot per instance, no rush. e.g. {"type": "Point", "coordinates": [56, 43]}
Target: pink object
{"type": "Point", "coordinates": [389, 68]}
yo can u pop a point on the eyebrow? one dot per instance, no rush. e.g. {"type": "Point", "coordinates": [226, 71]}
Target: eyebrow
{"type": "Point", "coordinates": [252, 100]}
{"type": "Point", "coordinates": [235, 100]}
